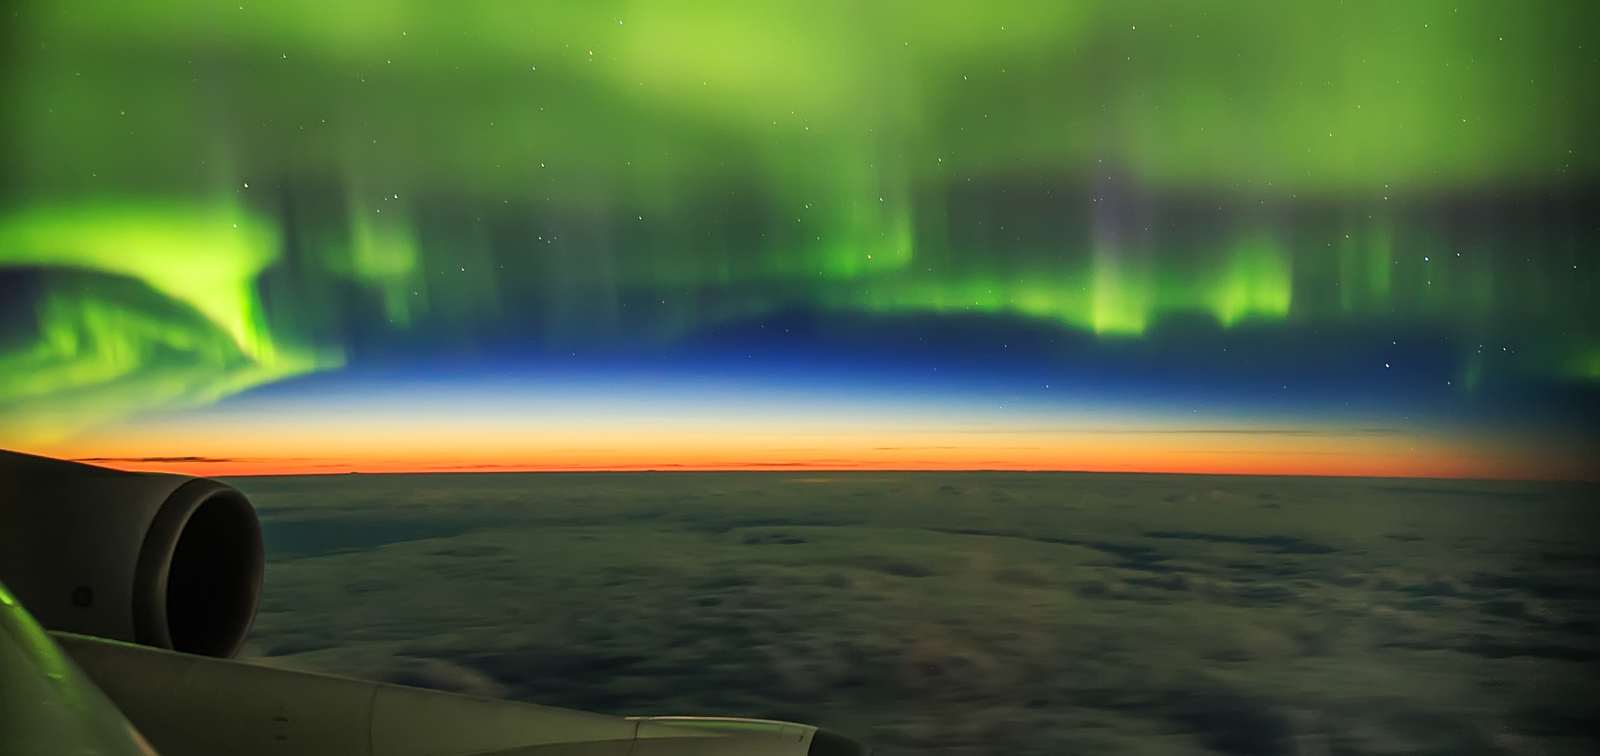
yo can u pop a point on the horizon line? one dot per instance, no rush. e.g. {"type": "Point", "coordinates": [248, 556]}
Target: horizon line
{"type": "Point", "coordinates": [900, 470]}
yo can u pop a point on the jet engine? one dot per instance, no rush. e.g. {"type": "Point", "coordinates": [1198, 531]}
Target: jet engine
{"type": "Point", "coordinates": [161, 560]}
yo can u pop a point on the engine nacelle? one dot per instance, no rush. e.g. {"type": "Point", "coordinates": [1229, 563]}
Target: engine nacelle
{"type": "Point", "coordinates": [162, 560]}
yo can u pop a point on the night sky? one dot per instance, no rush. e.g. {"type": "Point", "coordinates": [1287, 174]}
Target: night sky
{"type": "Point", "coordinates": [1262, 237]}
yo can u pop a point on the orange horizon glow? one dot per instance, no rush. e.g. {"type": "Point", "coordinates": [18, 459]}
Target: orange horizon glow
{"type": "Point", "coordinates": [1267, 455]}
{"type": "Point", "coordinates": [266, 469]}
{"type": "Point", "coordinates": [779, 437]}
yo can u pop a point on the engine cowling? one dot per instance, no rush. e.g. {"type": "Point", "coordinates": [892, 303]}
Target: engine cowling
{"type": "Point", "coordinates": [162, 560]}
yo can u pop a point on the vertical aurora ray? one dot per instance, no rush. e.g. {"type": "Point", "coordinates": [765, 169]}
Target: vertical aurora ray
{"type": "Point", "coordinates": [382, 250]}
{"type": "Point", "coordinates": [1117, 291]}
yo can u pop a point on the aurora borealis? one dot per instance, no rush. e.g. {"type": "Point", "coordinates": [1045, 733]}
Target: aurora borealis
{"type": "Point", "coordinates": [1346, 238]}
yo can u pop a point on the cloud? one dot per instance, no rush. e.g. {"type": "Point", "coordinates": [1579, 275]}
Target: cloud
{"type": "Point", "coordinates": [953, 448]}
{"type": "Point", "coordinates": [1340, 432]}
{"type": "Point", "coordinates": [186, 460]}
{"type": "Point", "coordinates": [1258, 432]}
{"type": "Point", "coordinates": [483, 466]}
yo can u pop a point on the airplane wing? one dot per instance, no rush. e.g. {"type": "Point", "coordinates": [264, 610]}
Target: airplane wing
{"type": "Point", "coordinates": [188, 704]}
{"type": "Point", "coordinates": [149, 582]}
{"type": "Point", "coordinates": [46, 704]}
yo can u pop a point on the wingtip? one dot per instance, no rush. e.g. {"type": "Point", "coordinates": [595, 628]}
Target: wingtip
{"type": "Point", "coordinates": [828, 743]}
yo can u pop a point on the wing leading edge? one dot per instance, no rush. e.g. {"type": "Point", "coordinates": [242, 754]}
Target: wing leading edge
{"type": "Point", "coordinates": [193, 706]}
